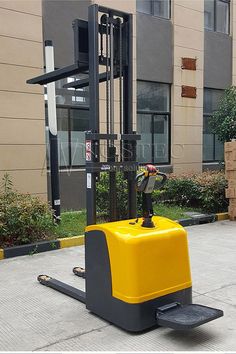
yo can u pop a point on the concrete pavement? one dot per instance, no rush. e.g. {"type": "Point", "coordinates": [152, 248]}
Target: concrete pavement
{"type": "Point", "coordinates": [33, 317]}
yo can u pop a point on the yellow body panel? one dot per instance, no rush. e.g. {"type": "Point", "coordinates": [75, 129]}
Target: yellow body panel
{"type": "Point", "coordinates": [1, 253]}
{"type": "Point", "coordinates": [146, 263]}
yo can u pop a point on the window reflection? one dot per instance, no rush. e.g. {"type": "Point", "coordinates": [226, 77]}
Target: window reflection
{"type": "Point", "coordinates": [153, 104]}
{"type": "Point", "coordinates": [213, 149]}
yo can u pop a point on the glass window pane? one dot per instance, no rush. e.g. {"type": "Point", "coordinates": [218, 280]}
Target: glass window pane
{"type": "Point", "coordinates": [208, 147]}
{"type": "Point", "coordinates": [153, 96]}
{"type": "Point", "coordinates": [207, 104]}
{"type": "Point", "coordinates": [70, 96]}
{"type": "Point", "coordinates": [79, 124]}
{"type": "Point", "coordinates": [161, 8]}
{"type": "Point", "coordinates": [212, 149]}
{"type": "Point", "coordinates": [211, 100]}
{"type": "Point", "coordinates": [161, 138]}
{"type": "Point", "coordinates": [206, 125]}
{"type": "Point", "coordinates": [144, 6]}
{"type": "Point", "coordinates": [222, 16]}
{"type": "Point", "coordinates": [216, 94]}
{"type": "Point", "coordinates": [209, 14]}
{"type": "Point", "coordinates": [144, 146]}
{"type": "Point", "coordinates": [63, 142]}
{"type": "Point", "coordinates": [208, 141]}
{"type": "Point", "coordinates": [219, 150]}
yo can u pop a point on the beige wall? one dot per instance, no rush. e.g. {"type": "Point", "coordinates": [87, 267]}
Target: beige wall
{"type": "Point", "coordinates": [22, 118]}
{"type": "Point", "coordinates": [187, 113]}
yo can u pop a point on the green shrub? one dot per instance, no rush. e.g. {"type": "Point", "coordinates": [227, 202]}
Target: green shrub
{"type": "Point", "coordinates": [205, 191]}
{"type": "Point", "coordinates": [122, 196]}
{"type": "Point", "coordinates": [103, 195]}
{"type": "Point", "coordinates": [212, 191]}
{"type": "Point", "coordinates": [179, 190]}
{"type": "Point", "coordinates": [23, 218]}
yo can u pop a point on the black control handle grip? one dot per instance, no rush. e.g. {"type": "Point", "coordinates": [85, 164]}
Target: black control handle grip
{"type": "Point", "coordinates": [139, 176]}
{"type": "Point", "coordinates": [141, 182]}
{"type": "Point", "coordinates": [164, 178]}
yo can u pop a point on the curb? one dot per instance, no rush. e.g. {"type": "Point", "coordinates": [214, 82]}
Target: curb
{"type": "Point", "coordinates": [222, 216]}
{"type": "Point", "coordinates": [39, 247]}
{"type": "Point", "coordinates": [198, 220]}
{"type": "Point", "coordinates": [73, 241]}
{"type": "Point", "coordinates": [31, 249]}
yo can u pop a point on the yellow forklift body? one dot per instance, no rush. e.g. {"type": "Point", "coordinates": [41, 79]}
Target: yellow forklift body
{"type": "Point", "coordinates": [146, 263]}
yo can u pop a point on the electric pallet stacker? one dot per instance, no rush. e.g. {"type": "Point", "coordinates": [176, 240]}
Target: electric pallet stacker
{"type": "Point", "coordinates": [137, 270]}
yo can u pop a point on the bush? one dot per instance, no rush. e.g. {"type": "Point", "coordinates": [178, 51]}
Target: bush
{"type": "Point", "coordinates": [205, 191]}
{"type": "Point", "coordinates": [23, 218]}
{"type": "Point", "coordinates": [122, 196]}
{"type": "Point", "coordinates": [179, 190]}
{"type": "Point", "coordinates": [103, 195]}
{"type": "Point", "coordinates": [212, 191]}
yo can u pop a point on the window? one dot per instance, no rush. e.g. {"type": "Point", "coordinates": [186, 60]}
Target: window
{"type": "Point", "coordinates": [209, 14]}
{"type": "Point", "coordinates": [153, 122]}
{"type": "Point", "coordinates": [213, 149]}
{"type": "Point", "coordinates": [72, 122]}
{"type": "Point", "coordinates": [79, 123]}
{"type": "Point", "coordinates": [71, 96]}
{"type": "Point", "coordinates": [63, 138]}
{"type": "Point", "coordinates": [216, 15]}
{"type": "Point", "coordinates": [222, 16]}
{"type": "Point", "coordinates": [159, 8]}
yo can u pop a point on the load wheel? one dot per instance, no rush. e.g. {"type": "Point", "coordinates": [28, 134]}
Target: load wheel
{"type": "Point", "coordinates": [79, 271]}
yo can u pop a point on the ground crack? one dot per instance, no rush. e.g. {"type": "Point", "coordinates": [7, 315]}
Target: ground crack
{"type": "Point", "coordinates": [211, 291]}
{"type": "Point", "coordinates": [220, 300]}
{"type": "Point", "coordinates": [71, 337]}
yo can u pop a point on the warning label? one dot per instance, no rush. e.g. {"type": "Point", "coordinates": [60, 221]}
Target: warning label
{"type": "Point", "coordinates": [88, 150]}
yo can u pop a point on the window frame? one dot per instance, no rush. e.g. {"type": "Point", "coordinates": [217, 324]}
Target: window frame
{"type": "Point", "coordinates": [215, 18]}
{"type": "Point", "coordinates": [152, 10]}
{"type": "Point", "coordinates": [69, 108]}
{"type": "Point", "coordinates": [208, 115]}
{"type": "Point", "coordinates": [158, 113]}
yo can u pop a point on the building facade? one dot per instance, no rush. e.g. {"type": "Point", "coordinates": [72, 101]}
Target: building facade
{"type": "Point", "coordinates": [22, 112]}
{"type": "Point", "coordinates": [184, 59]}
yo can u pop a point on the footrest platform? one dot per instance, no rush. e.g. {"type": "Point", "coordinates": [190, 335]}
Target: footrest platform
{"type": "Point", "coordinates": [183, 317]}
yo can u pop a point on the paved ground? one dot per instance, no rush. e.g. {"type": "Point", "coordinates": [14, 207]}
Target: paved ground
{"type": "Point", "coordinates": [33, 317]}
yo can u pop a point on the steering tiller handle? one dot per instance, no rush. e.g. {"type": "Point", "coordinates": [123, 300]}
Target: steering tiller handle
{"type": "Point", "coordinates": [145, 182]}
